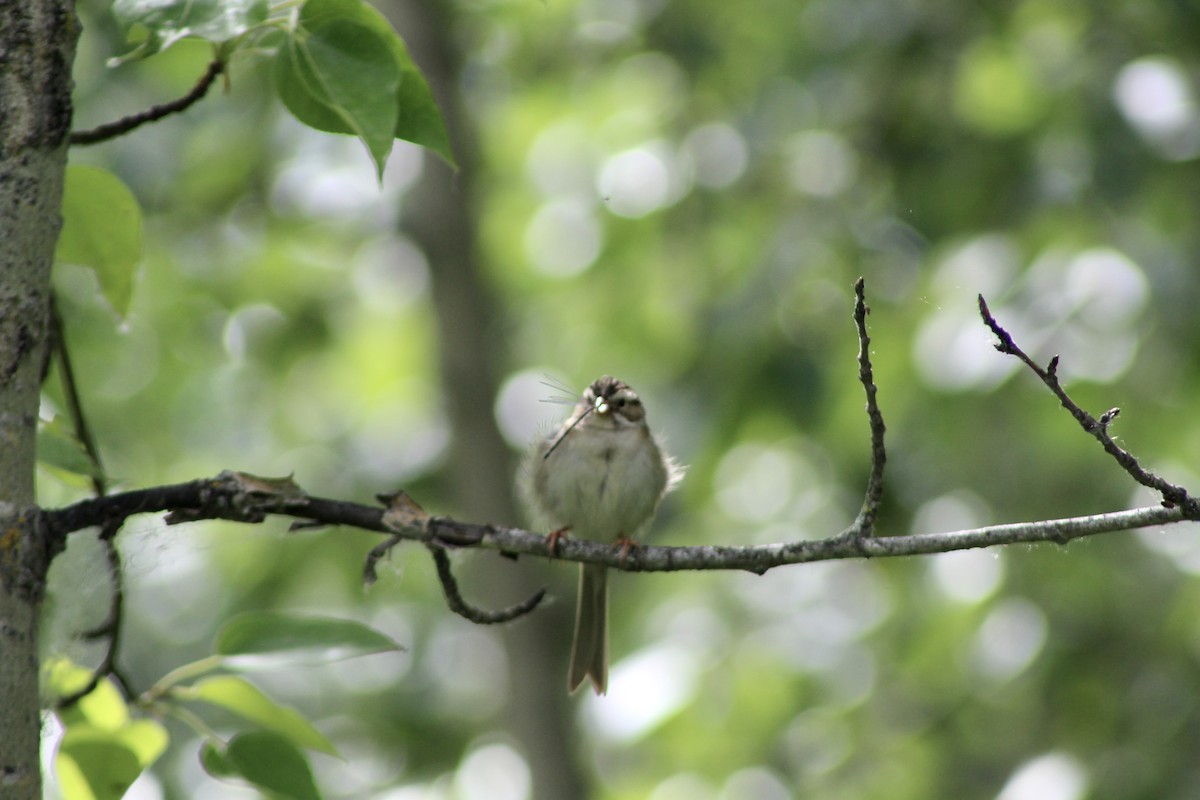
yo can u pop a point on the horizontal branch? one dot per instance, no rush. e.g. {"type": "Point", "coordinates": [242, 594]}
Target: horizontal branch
{"type": "Point", "coordinates": [246, 498]}
{"type": "Point", "coordinates": [848, 544]}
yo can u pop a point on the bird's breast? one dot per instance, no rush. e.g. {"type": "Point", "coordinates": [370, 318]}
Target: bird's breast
{"type": "Point", "coordinates": [604, 483]}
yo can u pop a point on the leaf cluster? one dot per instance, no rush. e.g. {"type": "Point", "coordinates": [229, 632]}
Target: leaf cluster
{"type": "Point", "coordinates": [108, 740]}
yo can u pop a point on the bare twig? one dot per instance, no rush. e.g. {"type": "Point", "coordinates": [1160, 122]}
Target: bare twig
{"type": "Point", "coordinates": [376, 554]}
{"type": "Point", "coordinates": [865, 523]}
{"type": "Point", "coordinates": [458, 605]}
{"type": "Point", "coordinates": [110, 629]}
{"type": "Point", "coordinates": [66, 372]}
{"type": "Point", "coordinates": [111, 130]}
{"type": "Point", "coordinates": [1172, 495]}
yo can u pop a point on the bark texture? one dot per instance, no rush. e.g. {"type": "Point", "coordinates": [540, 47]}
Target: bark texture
{"type": "Point", "coordinates": [37, 45]}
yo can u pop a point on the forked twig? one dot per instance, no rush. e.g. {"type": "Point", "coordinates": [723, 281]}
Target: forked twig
{"type": "Point", "coordinates": [1172, 495]}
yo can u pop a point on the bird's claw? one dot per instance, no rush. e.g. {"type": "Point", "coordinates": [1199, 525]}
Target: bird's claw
{"type": "Point", "coordinates": [626, 544]}
{"type": "Point", "coordinates": [552, 540]}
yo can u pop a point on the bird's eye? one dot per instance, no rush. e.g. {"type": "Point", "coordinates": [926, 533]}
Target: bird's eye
{"type": "Point", "coordinates": [621, 401]}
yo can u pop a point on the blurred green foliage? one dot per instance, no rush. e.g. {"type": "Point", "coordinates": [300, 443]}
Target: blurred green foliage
{"type": "Point", "coordinates": [682, 194]}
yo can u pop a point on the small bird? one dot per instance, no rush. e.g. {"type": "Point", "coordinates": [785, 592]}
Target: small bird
{"type": "Point", "coordinates": [600, 475]}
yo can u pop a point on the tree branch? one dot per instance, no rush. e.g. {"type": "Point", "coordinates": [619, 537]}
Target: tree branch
{"type": "Point", "coordinates": [66, 372]}
{"type": "Point", "coordinates": [865, 523]}
{"type": "Point", "coordinates": [110, 629]}
{"type": "Point", "coordinates": [119, 127]}
{"type": "Point", "coordinates": [245, 498]}
{"type": "Point", "coordinates": [1172, 495]}
{"type": "Point", "coordinates": [458, 605]}
{"type": "Point", "coordinates": [404, 513]}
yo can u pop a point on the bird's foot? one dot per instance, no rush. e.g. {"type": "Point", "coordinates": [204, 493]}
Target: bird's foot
{"type": "Point", "coordinates": [553, 537]}
{"type": "Point", "coordinates": [626, 544]}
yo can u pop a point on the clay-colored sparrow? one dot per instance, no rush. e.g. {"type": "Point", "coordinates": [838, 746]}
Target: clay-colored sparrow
{"type": "Point", "coordinates": [600, 475]}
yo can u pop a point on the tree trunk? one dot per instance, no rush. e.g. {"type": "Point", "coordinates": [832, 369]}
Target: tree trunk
{"type": "Point", "coordinates": [37, 48]}
{"type": "Point", "coordinates": [480, 465]}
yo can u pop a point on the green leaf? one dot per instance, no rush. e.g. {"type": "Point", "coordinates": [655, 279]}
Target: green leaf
{"type": "Point", "coordinates": [269, 632]}
{"type": "Point", "coordinates": [57, 448]}
{"type": "Point", "coordinates": [72, 783]}
{"type": "Point", "coordinates": [321, 12]}
{"type": "Point", "coordinates": [215, 760]}
{"type": "Point", "coordinates": [168, 21]}
{"type": "Point", "coordinates": [61, 676]}
{"type": "Point", "coordinates": [146, 738]}
{"type": "Point", "coordinates": [246, 700]}
{"type": "Point", "coordinates": [420, 121]}
{"type": "Point", "coordinates": [102, 709]}
{"type": "Point", "coordinates": [343, 78]}
{"type": "Point", "coordinates": [417, 118]}
{"type": "Point", "coordinates": [273, 763]}
{"type": "Point", "coordinates": [102, 229]}
{"type": "Point", "coordinates": [102, 751]}
{"type": "Point", "coordinates": [91, 764]}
